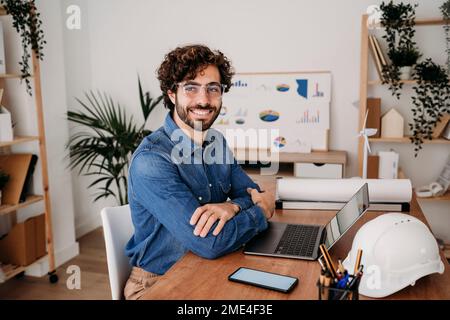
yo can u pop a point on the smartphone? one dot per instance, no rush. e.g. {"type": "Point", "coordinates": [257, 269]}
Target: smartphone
{"type": "Point", "coordinates": [263, 279]}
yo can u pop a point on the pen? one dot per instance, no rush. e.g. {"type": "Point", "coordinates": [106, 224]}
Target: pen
{"type": "Point", "coordinates": [355, 282]}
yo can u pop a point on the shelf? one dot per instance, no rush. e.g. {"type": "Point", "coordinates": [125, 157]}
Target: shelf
{"type": "Point", "coordinates": [11, 270]}
{"type": "Point", "coordinates": [18, 140]}
{"type": "Point", "coordinates": [12, 75]}
{"type": "Point", "coordinates": [378, 82]}
{"type": "Point", "coordinates": [407, 140]}
{"type": "Point", "coordinates": [419, 22]}
{"type": "Point", "coordinates": [445, 197]}
{"type": "Point", "coordinates": [6, 208]}
{"type": "Point", "coordinates": [338, 157]}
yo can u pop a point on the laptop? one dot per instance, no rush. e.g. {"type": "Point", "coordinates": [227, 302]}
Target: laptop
{"type": "Point", "coordinates": [299, 241]}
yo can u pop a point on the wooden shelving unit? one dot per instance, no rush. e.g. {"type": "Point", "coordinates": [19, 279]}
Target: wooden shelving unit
{"type": "Point", "coordinates": [365, 82]}
{"type": "Point", "coordinates": [407, 140]}
{"type": "Point", "coordinates": [11, 270]}
{"type": "Point", "coordinates": [6, 147]}
{"type": "Point", "coordinates": [12, 76]}
{"type": "Point", "coordinates": [5, 209]}
{"type": "Point", "coordinates": [18, 140]}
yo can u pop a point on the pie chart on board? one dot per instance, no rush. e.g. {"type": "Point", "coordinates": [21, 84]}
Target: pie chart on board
{"type": "Point", "coordinates": [269, 115]}
{"type": "Point", "coordinates": [279, 142]}
{"type": "Point", "coordinates": [283, 87]}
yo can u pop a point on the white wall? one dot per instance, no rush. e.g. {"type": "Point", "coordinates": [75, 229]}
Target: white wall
{"type": "Point", "coordinates": [54, 101]}
{"type": "Point", "coordinates": [129, 37]}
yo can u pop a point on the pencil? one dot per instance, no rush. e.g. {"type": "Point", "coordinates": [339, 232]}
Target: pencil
{"type": "Point", "coordinates": [328, 260]}
{"type": "Point", "coordinates": [358, 261]}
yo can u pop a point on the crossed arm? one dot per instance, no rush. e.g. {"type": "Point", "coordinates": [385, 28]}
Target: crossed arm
{"type": "Point", "coordinates": [156, 184]}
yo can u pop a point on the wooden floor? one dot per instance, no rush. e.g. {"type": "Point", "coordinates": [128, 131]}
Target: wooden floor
{"type": "Point", "coordinates": [94, 276]}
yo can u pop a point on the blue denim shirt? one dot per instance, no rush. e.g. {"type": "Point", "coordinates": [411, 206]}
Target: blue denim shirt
{"type": "Point", "coordinates": [169, 177]}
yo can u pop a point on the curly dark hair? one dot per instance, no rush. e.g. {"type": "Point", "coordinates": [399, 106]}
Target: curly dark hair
{"type": "Point", "coordinates": [184, 63]}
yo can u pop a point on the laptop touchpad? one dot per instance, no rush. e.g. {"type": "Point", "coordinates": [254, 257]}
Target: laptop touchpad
{"type": "Point", "coordinates": [267, 241]}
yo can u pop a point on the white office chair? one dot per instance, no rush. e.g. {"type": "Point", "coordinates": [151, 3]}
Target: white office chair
{"type": "Point", "coordinates": [117, 229]}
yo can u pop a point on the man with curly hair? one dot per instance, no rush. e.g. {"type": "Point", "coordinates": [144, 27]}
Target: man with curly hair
{"type": "Point", "coordinates": [186, 190]}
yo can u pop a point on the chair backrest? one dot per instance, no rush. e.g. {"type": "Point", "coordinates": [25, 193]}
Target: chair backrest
{"type": "Point", "coordinates": [117, 229]}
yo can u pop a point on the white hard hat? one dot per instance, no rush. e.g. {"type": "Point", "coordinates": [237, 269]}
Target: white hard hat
{"type": "Point", "coordinates": [398, 249]}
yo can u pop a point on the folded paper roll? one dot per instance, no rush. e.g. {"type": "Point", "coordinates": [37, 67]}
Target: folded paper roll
{"type": "Point", "coordinates": [341, 190]}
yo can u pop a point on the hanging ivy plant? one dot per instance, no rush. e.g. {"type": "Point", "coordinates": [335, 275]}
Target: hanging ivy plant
{"type": "Point", "coordinates": [431, 101]}
{"type": "Point", "coordinates": [445, 9]}
{"type": "Point", "coordinates": [398, 21]}
{"type": "Point", "coordinates": [27, 22]}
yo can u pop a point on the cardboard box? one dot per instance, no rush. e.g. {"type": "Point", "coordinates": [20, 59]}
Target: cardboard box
{"type": "Point", "coordinates": [25, 243]}
{"type": "Point", "coordinates": [374, 115]}
{"type": "Point", "coordinates": [39, 223]}
{"type": "Point", "coordinates": [17, 166]}
{"type": "Point", "coordinates": [372, 167]}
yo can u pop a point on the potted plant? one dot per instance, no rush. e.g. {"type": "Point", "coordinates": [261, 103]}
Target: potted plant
{"type": "Point", "coordinates": [398, 21]}
{"type": "Point", "coordinates": [27, 22]}
{"type": "Point", "coordinates": [4, 178]}
{"type": "Point", "coordinates": [104, 148]}
{"type": "Point", "coordinates": [431, 101]}
{"type": "Point", "coordinates": [404, 58]}
{"type": "Point", "coordinates": [445, 10]}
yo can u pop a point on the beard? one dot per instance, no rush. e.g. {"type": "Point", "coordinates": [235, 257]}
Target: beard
{"type": "Point", "coordinates": [198, 117]}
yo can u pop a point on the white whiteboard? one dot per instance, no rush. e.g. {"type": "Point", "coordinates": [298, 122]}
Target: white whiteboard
{"type": "Point", "coordinates": [297, 104]}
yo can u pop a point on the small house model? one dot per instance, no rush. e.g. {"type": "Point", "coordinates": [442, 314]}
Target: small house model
{"type": "Point", "coordinates": [392, 124]}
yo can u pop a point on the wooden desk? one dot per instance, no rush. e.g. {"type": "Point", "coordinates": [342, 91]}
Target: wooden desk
{"type": "Point", "coordinates": [193, 277]}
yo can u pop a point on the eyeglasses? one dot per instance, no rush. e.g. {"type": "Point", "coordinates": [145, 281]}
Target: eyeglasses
{"type": "Point", "coordinates": [192, 90]}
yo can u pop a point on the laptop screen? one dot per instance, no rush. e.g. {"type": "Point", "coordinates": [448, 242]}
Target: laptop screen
{"type": "Point", "coordinates": [347, 216]}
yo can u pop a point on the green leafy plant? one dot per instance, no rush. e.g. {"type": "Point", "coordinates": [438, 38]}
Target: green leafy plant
{"type": "Point", "coordinates": [431, 101]}
{"type": "Point", "coordinates": [398, 21]}
{"type": "Point", "coordinates": [445, 10]}
{"type": "Point", "coordinates": [4, 178]}
{"type": "Point", "coordinates": [404, 56]}
{"type": "Point", "coordinates": [27, 22]}
{"type": "Point", "coordinates": [103, 150]}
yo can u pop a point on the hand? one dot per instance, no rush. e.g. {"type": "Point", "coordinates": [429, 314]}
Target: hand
{"type": "Point", "coordinates": [264, 201]}
{"type": "Point", "coordinates": [205, 216]}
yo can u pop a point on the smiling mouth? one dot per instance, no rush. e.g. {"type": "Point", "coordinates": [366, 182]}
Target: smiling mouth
{"type": "Point", "coordinates": [201, 113]}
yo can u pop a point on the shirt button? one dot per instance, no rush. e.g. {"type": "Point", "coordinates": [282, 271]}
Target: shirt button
{"type": "Point", "coordinates": [200, 198]}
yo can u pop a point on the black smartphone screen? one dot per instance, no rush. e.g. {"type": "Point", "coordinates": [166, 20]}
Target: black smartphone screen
{"type": "Point", "coordinates": [264, 279]}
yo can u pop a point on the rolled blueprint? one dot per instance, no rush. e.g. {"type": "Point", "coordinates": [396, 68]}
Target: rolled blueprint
{"type": "Point", "coordinates": [341, 190]}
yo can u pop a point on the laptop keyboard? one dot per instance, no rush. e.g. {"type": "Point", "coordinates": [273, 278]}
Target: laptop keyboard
{"type": "Point", "coordinates": [298, 240]}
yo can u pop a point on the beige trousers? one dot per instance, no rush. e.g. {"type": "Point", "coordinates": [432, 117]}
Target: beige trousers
{"type": "Point", "coordinates": [138, 283]}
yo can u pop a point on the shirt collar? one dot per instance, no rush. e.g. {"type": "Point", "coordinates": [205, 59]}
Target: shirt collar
{"type": "Point", "coordinates": [181, 139]}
